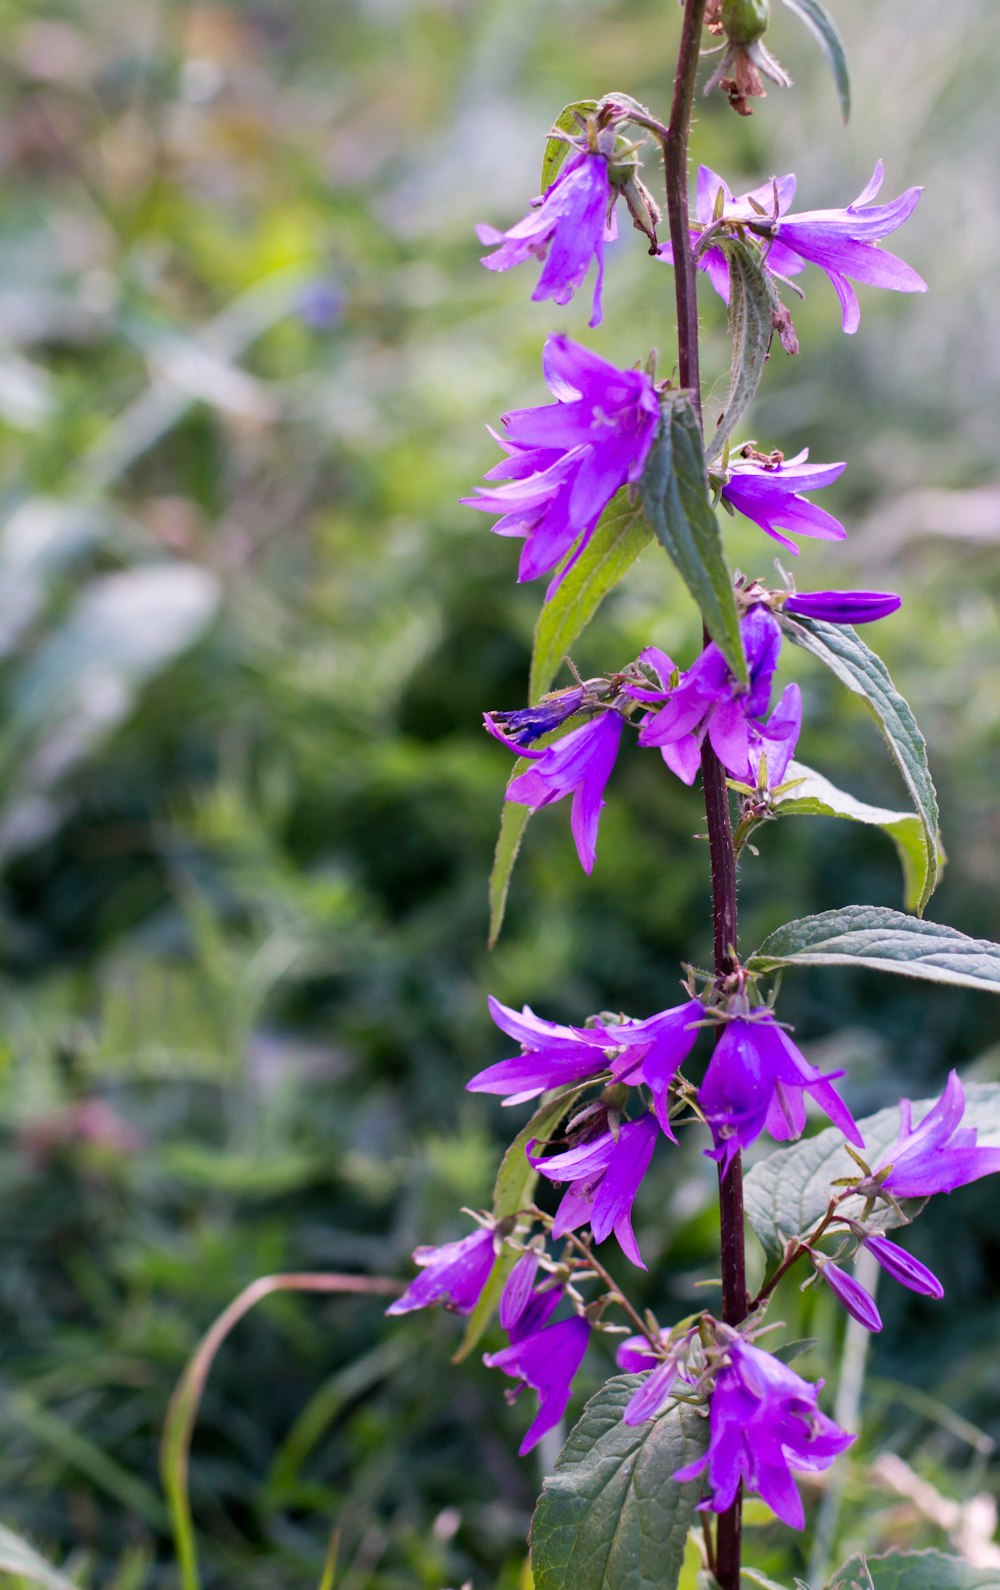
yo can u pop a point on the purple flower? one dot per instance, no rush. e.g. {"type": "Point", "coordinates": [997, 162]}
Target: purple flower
{"type": "Point", "coordinates": [568, 458]}
{"type": "Point", "coordinates": [938, 1155]}
{"type": "Point", "coordinates": [772, 198]}
{"type": "Point", "coordinates": [764, 1422]}
{"type": "Point", "coordinates": [634, 1355]}
{"type": "Point", "coordinates": [604, 1176]}
{"type": "Point", "coordinates": [858, 1303]}
{"type": "Point", "coordinates": [769, 495]}
{"type": "Point", "coordinates": [454, 1275]}
{"type": "Point", "coordinates": [842, 607]}
{"type": "Point", "coordinates": [709, 700]}
{"type": "Point", "coordinates": [545, 1359]}
{"type": "Point", "coordinates": [756, 1080]}
{"type": "Point", "coordinates": [518, 1290]}
{"type": "Point", "coordinates": [567, 227]}
{"type": "Point", "coordinates": [520, 728]}
{"type": "Point", "coordinates": [579, 765]}
{"type": "Point", "coordinates": [553, 1056]}
{"type": "Point", "coordinates": [902, 1266]}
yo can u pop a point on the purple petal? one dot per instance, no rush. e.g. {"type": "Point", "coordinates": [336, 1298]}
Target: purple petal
{"type": "Point", "coordinates": [903, 1267]}
{"type": "Point", "coordinates": [852, 1294]}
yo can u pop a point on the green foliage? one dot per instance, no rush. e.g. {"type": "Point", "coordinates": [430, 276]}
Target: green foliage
{"type": "Point", "coordinates": [752, 303]}
{"type": "Point", "coordinates": [913, 1570]}
{"type": "Point", "coordinates": [556, 149]}
{"type": "Point", "coordinates": [824, 30]}
{"type": "Point", "coordinates": [611, 1514]}
{"type": "Point", "coordinates": [886, 941]}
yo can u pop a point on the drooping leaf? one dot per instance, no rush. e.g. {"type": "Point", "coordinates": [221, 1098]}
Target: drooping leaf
{"type": "Point", "coordinates": [787, 1193]}
{"type": "Point", "coordinates": [856, 666]}
{"type": "Point", "coordinates": [913, 1570]}
{"type": "Point", "coordinates": [752, 301]}
{"type": "Point", "coordinates": [675, 498]}
{"type": "Point", "coordinates": [824, 30]}
{"type": "Point", "coordinates": [513, 1191]}
{"type": "Point", "coordinates": [814, 796]}
{"type": "Point", "coordinates": [556, 149]}
{"type": "Point", "coordinates": [611, 1514]}
{"type": "Point", "coordinates": [887, 941]}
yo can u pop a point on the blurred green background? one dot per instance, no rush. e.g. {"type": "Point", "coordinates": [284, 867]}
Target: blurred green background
{"type": "Point", "coordinates": [247, 809]}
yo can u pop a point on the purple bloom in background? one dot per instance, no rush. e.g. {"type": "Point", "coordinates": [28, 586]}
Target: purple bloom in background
{"type": "Point", "coordinates": [756, 1080]}
{"type": "Point", "coordinates": [545, 1359]}
{"type": "Point", "coordinates": [938, 1155]}
{"type": "Point", "coordinates": [604, 1176]}
{"type": "Point", "coordinates": [769, 494]}
{"type": "Point", "coordinates": [567, 227]}
{"type": "Point", "coordinates": [765, 1421]}
{"type": "Point", "coordinates": [708, 700]}
{"type": "Point", "coordinates": [636, 1051]}
{"type": "Point", "coordinates": [454, 1275]}
{"type": "Point", "coordinates": [902, 1266]}
{"type": "Point", "coordinates": [568, 458]}
{"type": "Point", "coordinates": [858, 1303]}
{"type": "Point", "coordinates": [842, 607]}
{"type": "Point", "coordinates": [579, 765]}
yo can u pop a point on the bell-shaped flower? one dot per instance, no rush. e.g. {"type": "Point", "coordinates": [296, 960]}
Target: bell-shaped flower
{"type": "Point", "coordinates": [938, 1155]}
{"type": "Point", "coordinates": [546, 1358]}
{"type": "Point", "coordinates": [770, 495]}
{"type": "Point", "coordinates": [764, 1422]}
{"type": "Point", "coordinates": [579, 765]}
{"type": "Point", "coordinates": [454, 1275]}
{"type": "Point", "coordinates": [770, 199]}
{"type": "Point", "coordinates": [604, 1175]}
{"type": "Point", "coordinates": [568, 458]}
{"type": "Point", "coordinates": [757, 1080]}
{"type": "Point", "coordinates": [842, 607]}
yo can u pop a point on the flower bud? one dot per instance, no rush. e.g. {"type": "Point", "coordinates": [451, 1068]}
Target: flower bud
{"type": "Point", "coordinates": [842, 607]}
{"type": "Point", "coordinates": [858, 1303]}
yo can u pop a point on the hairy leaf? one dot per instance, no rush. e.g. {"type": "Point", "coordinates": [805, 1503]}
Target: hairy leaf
{"type": "Point", "coordinates": [787, 1193]}
{"type": "Point", "coordinates": [556, 149]}
{"type": "Point", "coordinates": [887, 941]}
{"type": "Point", "coordinates": [814, 796]}
{"type": "Point", "coordinates": [824, 30]}
{"type": "Point", "coordinates": [752, 300]}
{"type": "Point", "coordinates": [856, 666]}
{"type": "Point", "coordinates": [675, 498]}
{"type": "Point", "coordinates": [611, 1515]}
{"type": "Point", "coordinates": [913, 1570]}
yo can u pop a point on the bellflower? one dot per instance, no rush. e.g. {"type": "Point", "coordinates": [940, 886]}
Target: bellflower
{"type": "Point", "coordinates": [842, 607]}
{"type": "Point", "coordinates": [604, 1176]}
{"type": "Point", "coordinates": [902, 1266]}
{"type": "Point", "coordinates": [938, 1155]}
{"type": "Point", "coordinates": [636, 1052]}
{"type": "Point", "coordinates": [568, 458]}
{"type": "Point", "coordinates": [520, 728]}
{"type": "Point", "coordinates": [764, 1422]}
{"type": "Point", "coordinates": [771, 199]}
{"type": "Point", "coordinates": [708, 700]}
{"type": "Point", "coordinates": [454, 1275]}
{"type": "Point", "coordinates": [567, 228]}
{"type": "Point", "coordinates": [858, 1302]}
{"type": "Point", "coordinates": [579, 765]}
{"type": "Point", "coordinates": [756, 1080]}
{"type": "Point", "coordinates": [546, 1359]}
{"type": "Point", "coordinates": [634, 1356]}
{"type": "Point", "coordinates": [769, 494]}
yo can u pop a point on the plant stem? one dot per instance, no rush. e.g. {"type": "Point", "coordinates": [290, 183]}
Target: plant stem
{"type": "Point", "coordinates": [720, 834]}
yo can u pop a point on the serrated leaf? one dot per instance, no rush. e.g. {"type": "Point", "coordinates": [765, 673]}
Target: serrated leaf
{"type": "Point", "coordinates": [752, 301]}
{"type": "Point", "coordinates": [913, 1570]}
{"type": "Point", "coordinates": [675, 498]}
{"type": "Point", "coordinates": [814, 796]}
{"type": "Point", "coordinates": [611, 1514]}
{"type": "Point", "coordinates": [513, 1191]}
{"type": "Point", "coordinates": [556, 149]}
{"type": "Point", "coordinates": [824, 30]}
{"type": "Point", "coordinates": [621, 533]}
{"type": "Point", "coordinates": [865, 674]}
{"type": "Point", "coordinates": [886, 941]}
{"type": "Point", "coordinates": [787, 1193]}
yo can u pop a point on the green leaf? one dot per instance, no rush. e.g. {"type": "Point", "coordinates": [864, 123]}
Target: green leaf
{"type": "Point", "coordinates": [619, 537]}
{"type": "Point", "coordinates": [556, 149]}
{"type": "Point", "coordinates": [814, 796]}
{"type": "Point", "coordinates": [611, 1514]}
{"type": "Point", "coordinates": [913, 1570]}
{"type": "Point", "coordinates": [675, 497]}
{"type": "Point", "coordinates": [513, 1191]}
{"type": "Point", "coordinates": [787, 1193]}
{"type": "Point", "coordinates": [846, 655]}
{"type": "Point", "coordinates": [752, 301]}
{"type": "Point", "coordinates": [17, 1557]}
{"type": "Point", "coordinates": [824, 30]}
{"type": "Point", "coordinates": [513, 822]}
{"type": "Point", "coordinates": [887, 941]}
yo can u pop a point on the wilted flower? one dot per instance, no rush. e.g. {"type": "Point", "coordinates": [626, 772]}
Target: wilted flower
{"type": "Point", "coordinates": [756, 1081]}
{"type": "Point", "coordinates": [842, 607]}
{"type": "Point", "coordinates": [454, 1275]}
{"type": "Point", "coordinates": [545, 1359]}
{"type": "Point", "coordinates": [768, 492]}
{"type": "Point", "coordinates": [744, 23]}
{"type": "Point", "coordinates": [765, 1421]}
{"type": "Point", "coordinates": [568, 458]}
{"type": "Point", "coordinates": [522, 726]}
{"type": "Point", "coordinates": [938, 1155]}
{"type": "Point", "coordinates": [604, 1176]}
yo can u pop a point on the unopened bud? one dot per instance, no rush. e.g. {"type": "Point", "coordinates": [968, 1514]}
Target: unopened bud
{"type": "Point", "coordinates": [745, 21]}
